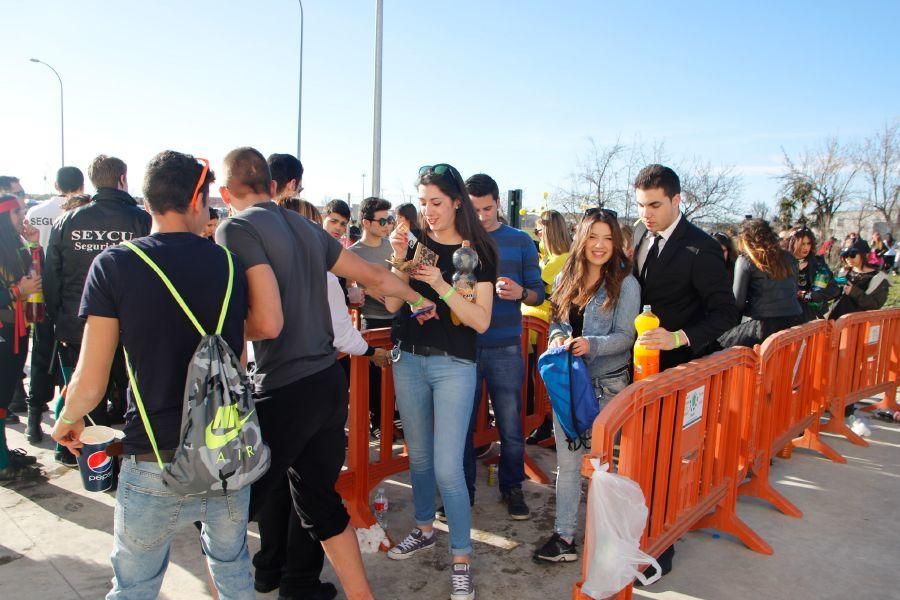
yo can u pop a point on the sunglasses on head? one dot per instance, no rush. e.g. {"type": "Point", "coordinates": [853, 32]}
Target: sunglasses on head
{"type": "Point", "coordinates": [442, 170]}
{"type": "Point", "coordinates": [383, 220]}
{"type": "Point", "coordinates": [601, 211]}
{"type": "Point", "coordinates": [200, 181]}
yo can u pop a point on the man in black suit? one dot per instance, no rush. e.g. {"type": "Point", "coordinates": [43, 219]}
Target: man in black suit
{"type": "Point", "coordinates": [683, 278]}
{"type": "Point", "coordinates": [682, 273]}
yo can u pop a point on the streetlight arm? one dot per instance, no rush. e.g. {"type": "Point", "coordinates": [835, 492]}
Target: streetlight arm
{"type": "Point", "coordinates": [62, 126]}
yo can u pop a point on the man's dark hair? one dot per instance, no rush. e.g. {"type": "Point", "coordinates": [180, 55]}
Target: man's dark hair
{"type": "Point", "coordinates": [284, 167]}
{"type": "Point", "coordinates": [246, 172]}
{"type": "Point", "coordinates": [6, 182]}
{"type": "Point", "coordinates": [105, 171]}
{"type": "Point", "coordinates": [654, 177]}
{"type": "Point", "coordinates": [69, 179]}
{"type": "Point", "coordinates": [170, 181]}
{"type": "Point", "coordinates": [213, 213]}
{"type": "Point", "coordinates": [482, 185]}
{"type": "Point", "coordinates": [339, 207]}
{"type": "Point", "coordinates": [372, 205]}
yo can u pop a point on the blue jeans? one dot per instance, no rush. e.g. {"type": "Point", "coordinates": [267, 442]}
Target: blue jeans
{"type": "Point", "coordinates": [146, 518]}
{"type": "Point", "coordinates": [568, 477]}
{"type": "Point", "coordinates": [504, 370]}
{"type": "Point", "coordinates": [430, 390]}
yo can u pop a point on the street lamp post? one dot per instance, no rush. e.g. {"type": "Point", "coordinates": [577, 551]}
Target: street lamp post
{"type": "Point", "coordinates": [62, 128]}
{"type": "Point", "coordinates": [376, 136]}
{"type": "Point", "coordinates": [300, 94]}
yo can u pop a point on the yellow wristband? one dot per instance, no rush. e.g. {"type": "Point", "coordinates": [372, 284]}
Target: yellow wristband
{"type": "Point", "coordinates": [63, 418]}
{"type": "Point", "coordinates": [448, 293]}
{"type": "Point", "coordinates": [677, 339]}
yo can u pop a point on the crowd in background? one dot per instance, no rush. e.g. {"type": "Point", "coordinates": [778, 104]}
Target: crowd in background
{"type": "Point", "coordinates": [449, 278]}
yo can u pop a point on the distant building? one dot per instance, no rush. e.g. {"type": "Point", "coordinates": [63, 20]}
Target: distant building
{"type": "Point", "coordinates": [863, 222]}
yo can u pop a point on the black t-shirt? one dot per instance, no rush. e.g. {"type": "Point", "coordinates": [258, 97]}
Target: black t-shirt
{"type": "Point", "coordinates": [441, 333]}
{"type": "Point", "coordinates": [157, 334]}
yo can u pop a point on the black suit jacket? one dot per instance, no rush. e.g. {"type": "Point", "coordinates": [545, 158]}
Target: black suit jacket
{"type": "Point", "coordinates": [689, 288]}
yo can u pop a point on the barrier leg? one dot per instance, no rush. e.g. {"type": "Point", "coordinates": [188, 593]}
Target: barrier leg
{"type": "Point", "coordinates": [837, 426]}
{"type": "Point", "coordinates": [534, 472]}
{"type": "Point", "coordinates": [813, 441]}
{"type": "Point", "coordinates": [727, 521]}
{"type": "Point", "coordinates": [759, 487]}
{"type": "Point", "coordinates": [889, 402]}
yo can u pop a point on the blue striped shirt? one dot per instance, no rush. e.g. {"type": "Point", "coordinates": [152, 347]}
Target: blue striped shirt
{"type": "Point", "coordinates": [519, 262]}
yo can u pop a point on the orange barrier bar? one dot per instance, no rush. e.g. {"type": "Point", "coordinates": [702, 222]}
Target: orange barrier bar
{"type": "Point", "coordinates": [680, 441]}
{"type": "Point", "coordinates": [865, 359]}
{"type": "Point", "coordinates": [790, 401]}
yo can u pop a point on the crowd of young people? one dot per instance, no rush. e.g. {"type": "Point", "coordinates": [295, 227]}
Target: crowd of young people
{"type": "Point", "coordinates": [290, 299]}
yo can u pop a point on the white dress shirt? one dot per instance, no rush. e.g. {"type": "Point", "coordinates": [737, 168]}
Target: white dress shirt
{"type": "Point", "coordinates": [664, 235]}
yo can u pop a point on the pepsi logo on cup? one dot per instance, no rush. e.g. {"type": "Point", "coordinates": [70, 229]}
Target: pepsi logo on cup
{"type": "Point", "coordinates": [99, 462]}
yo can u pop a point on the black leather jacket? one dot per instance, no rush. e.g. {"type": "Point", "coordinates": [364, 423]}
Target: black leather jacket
{"type": "Point", "coordinates": [77, 237]}
{"type": "Point", "coordinates": [758, 296]}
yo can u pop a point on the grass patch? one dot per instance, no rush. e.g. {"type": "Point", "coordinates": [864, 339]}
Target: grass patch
{"type": "Point", "coordinates": [893, 299]}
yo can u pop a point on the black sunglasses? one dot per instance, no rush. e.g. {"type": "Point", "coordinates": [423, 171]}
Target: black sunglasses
{"type": "Point", "coordinates": [603, 211]}
{"type": "Point", "coordinates": [442, 169]}
{"type": "Point", "coordinates": [849, 253]}
{"type": "Point", "coordinates": [383, 220]}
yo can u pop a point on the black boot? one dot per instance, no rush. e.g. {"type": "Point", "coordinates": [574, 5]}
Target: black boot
{"type": "Point", "coordinates": [35, 434]}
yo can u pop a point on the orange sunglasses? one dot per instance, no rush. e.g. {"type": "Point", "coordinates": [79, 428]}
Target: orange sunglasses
{"type": "Point", "coordinates": [201, 181]}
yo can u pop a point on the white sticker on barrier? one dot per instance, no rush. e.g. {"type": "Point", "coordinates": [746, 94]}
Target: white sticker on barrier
{"type": "Point", "coordinates": [693, 406]}
{"type": "Point", "coordinates": [874, 334]}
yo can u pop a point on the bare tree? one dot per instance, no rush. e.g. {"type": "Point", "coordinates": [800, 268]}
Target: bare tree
{"type": "Point", "coordinates": [878, 160]}
{"type": "Point", "coordinates": [760, 210]}
{"type": "Point", "coordinates": [710, 194]}
{"type": "Point", "coordinates": [821, 179]}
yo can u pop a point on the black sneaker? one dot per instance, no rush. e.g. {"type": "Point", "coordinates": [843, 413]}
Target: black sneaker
{"type": "Point", "coordinates": [515, 504]}
{"type": "Point", "coordinates": [462, 586]}
{"type": "Point", "coordinates": [541, 433]}
{"type": "Point", "coordinates": [413, 543]}
{"type": "Point", "coordinates": [18, 457]}
{"type": "Point", "coordinates": [13, 473]}
{"type": "Point", "coordinates": [556, 549]}
{"type": "Point", "coordinates": [66, 459]}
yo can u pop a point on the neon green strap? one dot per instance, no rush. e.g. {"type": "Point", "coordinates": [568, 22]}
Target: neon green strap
{"type": "Point", "coordinates": [132, 379]}
{"type": "Point", "coordinates": [141, 409]}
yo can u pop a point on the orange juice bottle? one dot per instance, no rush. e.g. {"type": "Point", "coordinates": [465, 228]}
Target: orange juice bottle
{"type": "Point", "coordinates": [646, 361]}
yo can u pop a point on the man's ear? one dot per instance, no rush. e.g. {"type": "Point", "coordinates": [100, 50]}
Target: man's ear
{"type": "Point", "coordinates": [226, 195]}
{"type": "Point", "coordinates": [272, 187]}
{"type": "Point", "coordinates": [676, 200]}
{"type": "Point", "coordinates": [123, 182]}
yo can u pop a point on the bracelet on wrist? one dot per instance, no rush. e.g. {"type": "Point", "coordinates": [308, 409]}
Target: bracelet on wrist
{"type": "Point", "coordinates": [419, 302]}
{"type": "Point", "coordinates": [62, 417]}
{"type": "Point", "coordinates": [677, 339]}
{"type": "Point", "coordinates": [448, 293]}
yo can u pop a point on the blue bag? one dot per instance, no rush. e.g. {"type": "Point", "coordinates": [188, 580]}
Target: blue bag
{"type": "Point", "coordinates": [571, 394]}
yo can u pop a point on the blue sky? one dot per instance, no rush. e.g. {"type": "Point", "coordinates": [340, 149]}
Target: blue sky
{"type": "Point", "coordinates": [514, 89]}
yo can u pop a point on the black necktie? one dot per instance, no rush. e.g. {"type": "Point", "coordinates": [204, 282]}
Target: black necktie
{"type": "Point", "coordinates": [652, 255]}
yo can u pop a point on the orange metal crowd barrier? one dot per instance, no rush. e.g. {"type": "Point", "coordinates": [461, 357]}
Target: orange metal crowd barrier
{"type": "Point", "coordinates": [790, 401]}
{"type": "Point", "coordinates": [680, 441]}
{"type": "Point", "coordinates": [365, 468]}
{"type": "Point", "coordinates": [865, 359]}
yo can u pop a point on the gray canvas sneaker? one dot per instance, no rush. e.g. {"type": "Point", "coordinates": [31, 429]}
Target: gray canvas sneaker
{"type": "Point", "coordinates": [462, 585]}
{"type": "Point", "coordinates": [414, 542]}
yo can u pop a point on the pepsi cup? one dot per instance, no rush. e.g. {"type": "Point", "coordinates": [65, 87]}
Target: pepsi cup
{"type": "Point", "coordinates": [95, 465]}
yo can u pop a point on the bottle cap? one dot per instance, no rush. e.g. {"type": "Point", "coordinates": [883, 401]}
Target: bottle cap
{"type": "Point", "coordinates": [646, 308]}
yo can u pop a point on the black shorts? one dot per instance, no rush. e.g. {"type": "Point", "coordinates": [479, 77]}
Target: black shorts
{"type": "Point", "coordinates": [303, 424]}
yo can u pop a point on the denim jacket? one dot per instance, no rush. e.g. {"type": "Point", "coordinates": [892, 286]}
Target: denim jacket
{"type": "Point", "coordinates": [611, 334]}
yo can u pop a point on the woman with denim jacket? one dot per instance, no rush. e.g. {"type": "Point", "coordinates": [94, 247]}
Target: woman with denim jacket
{"type": "Point", "coordinates": [595, 301]}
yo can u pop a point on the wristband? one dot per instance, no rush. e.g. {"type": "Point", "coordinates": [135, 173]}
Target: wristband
{"type": "Point", "coordinates": [419, 302]}
{"type": "Point", "coordinates": [448, 293]}
{"type": "Point", "coordinates": [63, 418]}
{"type": "Point", "coordinates": [677, 339]}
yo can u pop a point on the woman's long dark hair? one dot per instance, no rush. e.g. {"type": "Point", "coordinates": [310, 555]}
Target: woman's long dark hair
{"type": "Point", "coordinates": [451, 184]}
{"type": "Point", "coordinates": [409, 212]}
{"type": "Point", "coordinates": [572, 289]}
{"type": "Point", "coordinates": [799, 234]}
{"type": "Point", "coordinates": [725, 240]}
{"type": "Point", "coordinates": [763, 248]}
{"type": "Point", "coordinates": [11, 267]}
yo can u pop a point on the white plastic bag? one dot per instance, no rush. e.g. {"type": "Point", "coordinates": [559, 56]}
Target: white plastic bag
{"type": "Point", "coordinates": [618, 515]}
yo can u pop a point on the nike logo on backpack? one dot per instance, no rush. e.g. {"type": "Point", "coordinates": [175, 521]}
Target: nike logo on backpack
{"type": "Point", "coordinates": [227, 417]}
